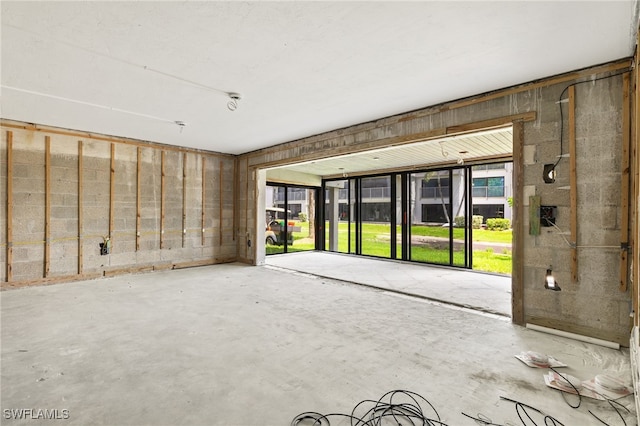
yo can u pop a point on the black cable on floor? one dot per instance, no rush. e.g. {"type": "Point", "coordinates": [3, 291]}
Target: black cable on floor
{"type": "Point", "coordinates": [522, 408]}
{"type": "Point", "coordinates": [403, 406]}
{"type": "Point", "coordinates": [574, 388]}
{"type": "Point", "coordinates": [613, 404]}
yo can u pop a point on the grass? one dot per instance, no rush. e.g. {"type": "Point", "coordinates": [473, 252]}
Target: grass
{"type": "Point", "coordinates": [376, 242]}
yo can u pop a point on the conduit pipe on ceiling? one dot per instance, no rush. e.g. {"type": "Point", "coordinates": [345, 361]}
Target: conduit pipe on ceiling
{"type": "Point", "coordinates": [574, 336]}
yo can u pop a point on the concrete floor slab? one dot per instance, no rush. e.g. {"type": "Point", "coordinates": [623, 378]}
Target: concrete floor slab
{"type": "Point", "coordinates": [461, 287]}
{"type": "Point", "coordinates": [241, 345]}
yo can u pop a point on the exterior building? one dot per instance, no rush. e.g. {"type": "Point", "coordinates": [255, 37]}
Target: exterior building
{"type": "Point", "coordinates": [429, 191]}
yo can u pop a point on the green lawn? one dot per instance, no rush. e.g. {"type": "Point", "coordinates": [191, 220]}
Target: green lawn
{"type": "Point", "coordinates": [376, 239]}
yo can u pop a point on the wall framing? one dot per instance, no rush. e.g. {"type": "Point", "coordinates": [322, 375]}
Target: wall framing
{"type": "Point", "coordinates": [77, 168]}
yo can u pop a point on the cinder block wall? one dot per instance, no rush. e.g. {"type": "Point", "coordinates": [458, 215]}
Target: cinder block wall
{"type": "Point", "coordinates": [593, 305]}
{"type": "Point", "coordinates": [184, 218]}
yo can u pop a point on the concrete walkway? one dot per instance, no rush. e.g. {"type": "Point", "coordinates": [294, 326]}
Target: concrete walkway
{"type": "Point", "coordinates": [475, 290]}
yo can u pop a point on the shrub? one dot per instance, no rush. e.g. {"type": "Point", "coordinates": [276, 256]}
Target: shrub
{"type": "Point", "coordinates": [476, 221]}
{"type": "Point", "coordinates": [458, 221]}
{"type": "Point", "coordinates": [497, 224]}
{"type": "Point", "coordinates": [302, 217]}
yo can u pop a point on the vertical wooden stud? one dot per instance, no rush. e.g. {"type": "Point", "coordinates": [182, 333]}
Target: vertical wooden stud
{"type": "Point", "coordinates": [162, 196]}
{"type": "Point", "coordinates": [204, 176]}
{"type": "Point", "coordinates": [80, 203]}
{"type": "Point", "coordinates": [635, 239]}
{"type": "Point", "coordinates": [624, 184]}
{"type": "Point", "coordinates": [221, 200]}
{"type": "Point", "coordinates": [112, 191]}
{"type": "Point", "coordinates": [236, 185]}
{"type": "Point", "coordinates": [573, 183]}
{"type": "Point", "coordinates": [9, 206]}
{"type": "Point", "coordinates": [47, 205]}
{"type": "Point", "coordinates": [138, 197]}
{"type": "Point", "coordinates": [184, 197]}
{"type": "Point", "coordinates": [246, 211]}
{"type": "Point", "coordinates": [517, 272]}
{"type": "Point", "coordinates": [534, 215]}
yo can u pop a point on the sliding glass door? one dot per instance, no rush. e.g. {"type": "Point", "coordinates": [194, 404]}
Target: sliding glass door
{"type": "Point", "coordinates": [375, 216]}
{"type": "Point", "coordinates": [290, 218]}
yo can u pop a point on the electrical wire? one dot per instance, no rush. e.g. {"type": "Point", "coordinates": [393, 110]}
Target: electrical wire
{"type": "Point", "coordinates": [522, 408]}
{"type": "Point", "coordinates": [121, 60]}
{"type": "Point", "coordinates": [613, 404]}
{"type": "Point", "coordinates": [572, 385]}
{"type": "Point", "coordinates": [403, 406]}
{"type": "Point", "coordinates": [560, 102]}
{"type": "Point", "coordinates": [574, 245]}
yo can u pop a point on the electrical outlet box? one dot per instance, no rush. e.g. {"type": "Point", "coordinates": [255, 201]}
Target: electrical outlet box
{"type": "Point", "coordinates": [548, 215]}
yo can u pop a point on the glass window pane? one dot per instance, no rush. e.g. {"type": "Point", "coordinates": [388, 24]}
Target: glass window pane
{"type": "Point", "coordinates": [375, 201]}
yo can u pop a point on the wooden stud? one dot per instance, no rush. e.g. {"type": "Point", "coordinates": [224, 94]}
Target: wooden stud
{"type": "Point", "coordinates": [204, 177]}
{"type": "Point", "coordinates": [47, 206]}
{"type": "Point", "coordinates": [138, 197]}
{"type": "Point", "coordinates": [534, 215]}
{"type": "Point", "coordinates": [162, 195]}
{"type": "Point", "coordinates": [80, 204]}
{"type": "Point", "coordinates": [573, 183]}
{"type": "Point", "coordinates": [624, 184]}
{"type": "Point", "coordinates": [236, 185]}
{"type": "Point", "coordinates": [184, 197]}
{"type": "Point", "coordinates": [9, 206]}
{"type": "Point", "coordinates": [517, 267]}
{"type": "Point", "coordinates": [112, 191]}
{"type": "Point", "coordinates": [246, 211]}
{"type": "Point", "coordinates": [221, 189]}
{"type": "Point", "coordinates": [635, 239]}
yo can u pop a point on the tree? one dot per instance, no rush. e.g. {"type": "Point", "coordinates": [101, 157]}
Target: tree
{"type": "Point", "coordinates": [431, 175]}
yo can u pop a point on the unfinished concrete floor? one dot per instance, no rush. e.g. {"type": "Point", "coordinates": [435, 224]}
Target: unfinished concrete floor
{"type": "Point", "coordinates": [241, 345]}
{"type": "Point", "coordinates": [476, 290]}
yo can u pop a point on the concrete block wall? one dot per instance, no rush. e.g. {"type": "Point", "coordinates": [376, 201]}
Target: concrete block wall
{"type": "Point", "coordinates": [64, 209]}
{"type": "Point", "coordinates": [96, 175]}
{"type": "Point", "coordinates": [593, 306]}
{"type": "Point", "coordinates": [82, 213]}
{"type": "Point", "coordinates": [28, 207]}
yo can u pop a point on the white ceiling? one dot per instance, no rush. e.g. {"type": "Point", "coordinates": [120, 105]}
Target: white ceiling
{"type": "Point", "coordinates": [133, 69]}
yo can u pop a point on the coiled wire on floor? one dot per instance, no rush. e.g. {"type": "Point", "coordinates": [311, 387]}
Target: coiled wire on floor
{"type": "Point", "coordinates": [398, 407]}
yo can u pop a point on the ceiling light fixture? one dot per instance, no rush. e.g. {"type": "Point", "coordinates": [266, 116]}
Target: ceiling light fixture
{"type": "Point", "coordinates": [233, 103]}
{"type": "Point", "coordinates": [549, 173]}
{"type": "Point", "coordinates": [180, 124]}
